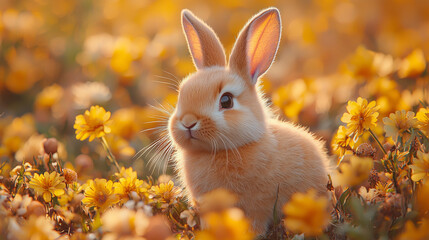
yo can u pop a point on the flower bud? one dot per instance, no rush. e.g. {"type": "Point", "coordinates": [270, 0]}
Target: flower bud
{"type": "Point", "coordinates": [50, 145]}
{"type": "Point", "coordinates": [365, 150]}
{"type": "Point", "coordinates": [69, 175]}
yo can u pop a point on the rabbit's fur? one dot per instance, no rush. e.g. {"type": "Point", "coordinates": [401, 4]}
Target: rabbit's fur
{"type": "Point", "coordinates": [242, 149]}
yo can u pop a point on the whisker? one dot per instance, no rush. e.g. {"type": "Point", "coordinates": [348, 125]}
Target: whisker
{"type": "Point", "coordinates": [233, 147]}
{"type": "Point", "coordinates": [226, 149]}
{"type": "Point", "coordinates": [170, 85]}
{"type": "Point", "coordinates": [171, 74]}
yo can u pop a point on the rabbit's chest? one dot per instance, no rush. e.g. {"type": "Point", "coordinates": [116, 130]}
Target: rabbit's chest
{"type": "Point", "coordinates": [229, 173]}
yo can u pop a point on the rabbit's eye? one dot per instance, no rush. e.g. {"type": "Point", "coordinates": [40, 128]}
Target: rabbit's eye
{"type": "Point", "coordinates": [226, 100]}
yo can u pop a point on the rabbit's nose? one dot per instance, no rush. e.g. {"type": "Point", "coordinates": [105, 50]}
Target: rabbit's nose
{"type": "Point", "coordinates": [189, 121]}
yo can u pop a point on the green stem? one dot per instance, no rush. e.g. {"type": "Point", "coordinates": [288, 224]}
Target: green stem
{"type": "Point", "coordinates": [376, 139]}
{"type": "Point", "coordinates": [110, 154]}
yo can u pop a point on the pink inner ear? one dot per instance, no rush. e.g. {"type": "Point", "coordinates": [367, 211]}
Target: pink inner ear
{"type": "Point", "coordinates": [262, 42]}
{"type": "Point", "coordinates": [194, 42]}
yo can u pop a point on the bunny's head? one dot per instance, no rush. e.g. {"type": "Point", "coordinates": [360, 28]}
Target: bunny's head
{"type": "Point", "coordinates": [219, 106]}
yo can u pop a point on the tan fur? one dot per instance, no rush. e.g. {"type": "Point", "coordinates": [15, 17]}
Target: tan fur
{"type": "Point", "coordinates": [242, 149]}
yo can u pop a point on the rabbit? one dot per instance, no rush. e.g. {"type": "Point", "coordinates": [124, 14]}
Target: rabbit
{"type": "Point", "coordinates": [225, 135]}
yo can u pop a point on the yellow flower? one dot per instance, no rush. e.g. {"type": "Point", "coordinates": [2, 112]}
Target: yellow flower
{"type": "Point", "coordinates": [292, 98]}
{"type": "Point", "coordinates": [17, 132]}
{"type": "Point", "coordinates": [31, 149]}
{"type": "Point", "coordinates": [356, 171]}
{"type": "Point", "coordinates": [93, 124]}
{"type": "Point", "coordinates": [415, 233]}
{"type": "Point", "coordinates": [48, 185]}
{"type": "Point", "coordinates": [423, 120]}
{"type": "Point", "coordinates": [342, 141]}
{"type": "Point", "coordinates": [361, 64]}
{"type": "Point", "coordinates": [89, 93]}
{"type": "Point", "coordinates": [120, 223]}
{"type": "Point", "coordinates": [126, 173]}
{"type": "Point", "coordinates": [228, 225]}
{"type": "Point", "coordinates": [28, 169]}
{"type": "Point", "coordinates": [49, 96]}
{"type": "Point", "coordinates": [217, 200]}
{"type": "Point", "coordinates": [420, 167]}
{"type": "Point", "coordinates": [125, 123]}
{"type": "Point", "coordinates": [120, 147]}
{"type": "Point", "coordinates": [398, 123]}
{"type": "Point", "coordinates": [127, 185]}
{"type": "Point", "coordinates": [306, 213]}
{"type": "Point", "coordinates": [413, 65]}
{"type": "Point", "coordinates": [165, 192]}
{"type": "Point", "coordinates": [35, 228]}
{"type": "Point", "coordinates": [360, 116]}
{"type": "Point", "coordinates": [99, 193]}
{"type": "Point", "coordinates": [67, 197]}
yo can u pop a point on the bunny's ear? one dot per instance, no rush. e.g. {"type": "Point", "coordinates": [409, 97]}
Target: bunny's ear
{"type": "Point", "coordinates": [204, 45]}
{"type": "Point", "coordinates": [256, 46]}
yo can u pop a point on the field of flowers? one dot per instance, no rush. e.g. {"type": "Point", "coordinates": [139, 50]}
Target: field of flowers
{"type": "Point", "coordinates": [86, 88]}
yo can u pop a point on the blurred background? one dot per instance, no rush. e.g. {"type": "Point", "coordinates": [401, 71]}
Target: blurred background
{"type": "Point", "coordinates": [58, 58]}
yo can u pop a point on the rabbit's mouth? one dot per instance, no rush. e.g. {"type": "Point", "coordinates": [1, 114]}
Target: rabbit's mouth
{"type": "Point", "coordinates": [190, 134]}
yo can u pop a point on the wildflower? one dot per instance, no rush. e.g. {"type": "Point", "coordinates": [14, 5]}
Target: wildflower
{"type": "Point", "coordinates": [127, 185]}
{"type": "Point", "coordinates": [93, 124]}
{"type": "Point", "coordinates": [217, 200]}
{"type": "Point", "coordinates": [398, 123]}
{"type": "Point", "coordinates": [120, 147]}
{"type": "Point", "coordinates": [20, 204]}
{"type": "Point", "coordinates": [370, 195]}
{"type": "Point", "coordinates": [413, 65]}
{"type": "Point", "coordinates": [70, 176]}
{"type": "Point", "coordinates": [356, 171]}
{"type": "Point", "coordinates": [31, 149]}
{"type": "Point", "coordinates": [89, 93]}
{"type": "Point", "coordinates": [165, 192]}
{"type": "Point", "coordinates": [292, 97]}
{"type": "Point", "coordinates": [306, 213]}
{"type": "Point", "coordinates": [99, 193]}
{"type": "Point", "coordinates": [17, 132]}
{"type": "Point", "coordinates": [361, 64]}
{"type": "Point", "coordinates": [49, 96]}
{"type": "Point", "coordinates": [35, 228]}
{"type": "Point", "coordinates": [228, 224]}
{"type": "Point", "coordinates": [125, 123]}
{"type": "Point", "coordinates": [361, 115]}
{"type": "Point", "coordinates": [126, 173]}
{"type": "Point", "coordinates": [48, 185]}
{"type": "Point", "coordinates": [383, 188]}
{"type": "Point", "coordinates": [27, 170]}
{"type": "Point", "coordinates": [342, 141]}
{"type": "Point", "coordinates": [122, 222]}
{"type": "Point", "coordinates": [67, 197]}
{"type": "Point", "coordinates": [190, 217]}
{"type": "Point", "coordinates": [417, 233]}
{"type": "Point", "coordinates": [423, 120]}
{"type": "Point", "coordinates": [420, 167]}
